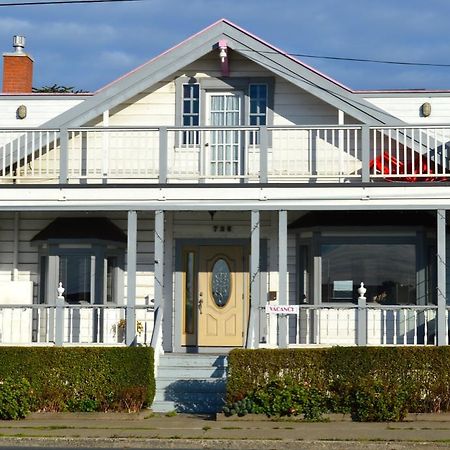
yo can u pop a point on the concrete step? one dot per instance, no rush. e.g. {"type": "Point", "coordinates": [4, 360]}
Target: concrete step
{"type": "Point", "coordinates": [199, 385]}
{"type": "Point", "coordinates": [183, 372]}
{"type": "Point", "coordinates": [194, 383]}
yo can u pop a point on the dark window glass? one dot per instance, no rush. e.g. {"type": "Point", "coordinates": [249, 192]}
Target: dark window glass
{"type": "Point", "coordinates": [191, 115]}
{"type": "Point", "coordinates": [75, 275]}
{"type": "Point", "coordinates": [111, 270]}
{"type": "Point", "coordinates": [258, 109]}
{"type": "Point", "coordinates": [221, 282]}
{"type": "Point", "coordinates": [189, 293]}
{"type": "Point", "coordinates": [388, 272]}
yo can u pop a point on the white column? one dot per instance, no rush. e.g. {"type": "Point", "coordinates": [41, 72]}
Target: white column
{"type": "Point", "coordinates": [441, 322]}
{"type": "Point", "coordinates": [255, 280]}
{"type": "Point", "coordinates": [131, 278]}
{"type": "Point", "coordinates": [283, 278]}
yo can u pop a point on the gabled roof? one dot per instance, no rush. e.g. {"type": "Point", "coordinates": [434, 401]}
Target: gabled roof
{"type": "Point", "coordinates": [240, 41]}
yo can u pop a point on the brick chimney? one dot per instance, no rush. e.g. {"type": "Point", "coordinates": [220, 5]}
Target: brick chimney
{"type": "Point", "coordinates": [17, 69]}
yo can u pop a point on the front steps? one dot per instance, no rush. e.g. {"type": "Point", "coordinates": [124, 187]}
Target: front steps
{"type": "Point", "coordinates": [190, 383]}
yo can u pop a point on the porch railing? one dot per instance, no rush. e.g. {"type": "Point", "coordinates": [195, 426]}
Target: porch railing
{"type": "Point", "coordinates": [72, 324]}
{"type": "Point", "coordinates": [345, 324]}
{"type": "Point", "coordinates": [252, 154]}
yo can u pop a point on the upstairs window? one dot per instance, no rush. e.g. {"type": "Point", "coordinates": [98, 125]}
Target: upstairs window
{"type": "Point", "coordinates": [258, 104]}
{"type": "Point", "coordinates": [191, 113]}
{"type": "Point", "coordinates": [258, 108]}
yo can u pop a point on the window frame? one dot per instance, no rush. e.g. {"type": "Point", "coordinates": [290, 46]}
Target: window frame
{"type": "Point", "coordinates": [316, 237]}
{"type": "Point", "coordinates": [98, 251]}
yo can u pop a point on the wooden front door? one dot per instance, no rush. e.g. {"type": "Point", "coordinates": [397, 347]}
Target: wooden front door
{"type": "Point", "coordinates": [221, 296]}
{"type": "Point", "coordinates": [215, 299]}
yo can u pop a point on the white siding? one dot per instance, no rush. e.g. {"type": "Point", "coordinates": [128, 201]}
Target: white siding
{"type": "Point", "coordinates": [407, 108]}
{"type": "Point", "coordinates": [39, 110]}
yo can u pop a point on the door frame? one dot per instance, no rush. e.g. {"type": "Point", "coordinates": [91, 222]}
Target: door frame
{"type": "Point", "coordinates": [180, 245]}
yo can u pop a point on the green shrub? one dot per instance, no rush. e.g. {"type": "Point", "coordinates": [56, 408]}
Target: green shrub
{"type": "Point", "coordinates": [15, 396]}
{"type": "Point", "coordinates": [82, 379]}
{"type": "Point", "coordinates": [374, 401]}
{"type": "Point", "coordinates": [372, 383]}
{"type": "Point", "coordinates": [281, 397]}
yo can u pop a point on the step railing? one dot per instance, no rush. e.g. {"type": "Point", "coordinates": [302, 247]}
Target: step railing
{"type": "Point", "coordinates": [383, 325]}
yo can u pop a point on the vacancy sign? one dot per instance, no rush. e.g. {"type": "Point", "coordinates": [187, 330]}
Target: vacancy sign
{"type": "Point", "coordinates": [282, 309]}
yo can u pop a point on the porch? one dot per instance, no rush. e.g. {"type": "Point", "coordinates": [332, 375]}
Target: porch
{"type": "Point", "coordinates": [263, 154]}
{"type": "Point", "coordinates": [278, 310]}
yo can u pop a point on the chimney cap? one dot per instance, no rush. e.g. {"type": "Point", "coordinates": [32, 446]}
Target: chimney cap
{"type": "Point", "coordinates": [19, 43]}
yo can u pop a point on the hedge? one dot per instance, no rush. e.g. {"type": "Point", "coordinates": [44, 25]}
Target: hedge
{"type": "Point", "coordinates": [82, 379]}
{"type": "Point", "coordinates": [360, 380]}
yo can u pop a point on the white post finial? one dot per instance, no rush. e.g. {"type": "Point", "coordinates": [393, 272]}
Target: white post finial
{"type": "Point", "coordinates": [361, 291]}
{"type": "Point", "coordinates": [60, 290]}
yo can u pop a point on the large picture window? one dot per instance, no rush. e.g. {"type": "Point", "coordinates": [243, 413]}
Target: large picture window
{"type": "Point", "coordinates": [388, 272]}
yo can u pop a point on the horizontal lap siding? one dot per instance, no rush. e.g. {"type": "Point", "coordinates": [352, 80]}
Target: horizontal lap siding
{"type": "Point", "coordinates": [409, 108]}
{"type": "Point", "coordinates": [294, 106]}
{"type": "Point", "coordinates": [39, 111]}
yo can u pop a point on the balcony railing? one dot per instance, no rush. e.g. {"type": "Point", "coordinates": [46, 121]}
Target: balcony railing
{"type": "Point", "coordinates": [231, 154]}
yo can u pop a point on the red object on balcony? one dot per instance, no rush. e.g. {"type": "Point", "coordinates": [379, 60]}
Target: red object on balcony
{"type": "Point", "coordinates": [389, 165]}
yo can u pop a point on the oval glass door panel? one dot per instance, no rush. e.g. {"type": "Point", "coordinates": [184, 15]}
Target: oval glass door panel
{"type": "Point", "coordinates": [221, 282]}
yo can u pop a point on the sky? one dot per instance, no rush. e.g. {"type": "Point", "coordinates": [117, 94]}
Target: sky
{"type": "Point", "coordinates": [87, 46]}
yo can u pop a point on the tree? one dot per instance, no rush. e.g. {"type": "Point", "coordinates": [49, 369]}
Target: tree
{"type": "Point", "coordinates": [58, 89]}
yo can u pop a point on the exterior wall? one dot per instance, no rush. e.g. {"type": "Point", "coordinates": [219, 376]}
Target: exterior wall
{"type": "Point", "coordinates": [156, 106]}
{"type": "Point", "coordinates": [408, 107]}
{"type": "Point", "coordinates": [40, 109]}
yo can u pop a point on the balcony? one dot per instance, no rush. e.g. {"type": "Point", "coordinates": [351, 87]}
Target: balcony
{"type": "Point", "coordinates": [294, 154]}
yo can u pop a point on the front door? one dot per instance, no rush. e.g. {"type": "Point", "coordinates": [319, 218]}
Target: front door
{"type": "Point", "coordinates": [215, 296]}
{"type": "Point", "coordinates": [225, 147]}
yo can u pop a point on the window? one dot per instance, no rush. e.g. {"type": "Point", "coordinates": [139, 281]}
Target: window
{"type": "Point", "coordinates": [258, 104]}
{"type": "Point", "coordinates": [191, 113]}
{"type": "Point", "coordinates": [75, 275]}
{"type": "Point", "coordinates": [387, 270]}
{"type": "Point", "coordinates": [257, 109]}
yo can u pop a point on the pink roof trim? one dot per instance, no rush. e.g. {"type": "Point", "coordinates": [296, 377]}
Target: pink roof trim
{"type": "Point", "coordinates": [228, 22]}
{"type": "Point", "coordinates": [287, 55]}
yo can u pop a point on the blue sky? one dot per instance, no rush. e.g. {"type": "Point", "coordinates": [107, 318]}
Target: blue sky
{"type": "Point", "coordinates": [87, 46]}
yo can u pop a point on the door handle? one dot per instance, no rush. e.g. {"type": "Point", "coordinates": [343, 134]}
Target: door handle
{"type": "Point", "coordinates": [200, 303]}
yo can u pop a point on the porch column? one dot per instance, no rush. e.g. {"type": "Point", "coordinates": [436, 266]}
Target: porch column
{"type": "Point", "coordinates": [159, 268]}
{"type": "Point", "coordinates": [441, 324]}
{"type": "Point", "coordinates": [131, 278]}
{"type": "Point", "coordinates": [282, 277]}
{"type": "Point", "coordinates": [255, 280]}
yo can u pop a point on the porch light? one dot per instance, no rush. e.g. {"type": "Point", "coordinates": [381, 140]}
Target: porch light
{"type": "Point", "coordinates": [426, 109]}
{"type": "Point", "coordinates": [223, 51]}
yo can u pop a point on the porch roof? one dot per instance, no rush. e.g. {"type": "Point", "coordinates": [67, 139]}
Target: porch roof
{"type": "Point", "coordinates": [365, 219]}
{"type": "Point", "coordinates": [81, 228]}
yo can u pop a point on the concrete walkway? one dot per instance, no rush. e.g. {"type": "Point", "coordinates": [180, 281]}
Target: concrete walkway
{"type": "Point", "coordinates": [145, 430]}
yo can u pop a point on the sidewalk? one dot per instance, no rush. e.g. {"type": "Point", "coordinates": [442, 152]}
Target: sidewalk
{"type": "Point", "coordinates": [189, 432]}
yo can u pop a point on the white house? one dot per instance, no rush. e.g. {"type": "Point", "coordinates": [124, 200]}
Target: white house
{"type": "Point", "coordinates": [222, 195]}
